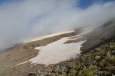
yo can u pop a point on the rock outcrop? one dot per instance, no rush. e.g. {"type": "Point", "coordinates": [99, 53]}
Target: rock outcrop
{"type": "Point", "coordinates": [99, 36]}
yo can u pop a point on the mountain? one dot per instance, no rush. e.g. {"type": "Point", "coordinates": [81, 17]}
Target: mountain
{"type": "Point", "coordinates": [59, 54]}
{"type": "Point", "coordinates": [99, 36]}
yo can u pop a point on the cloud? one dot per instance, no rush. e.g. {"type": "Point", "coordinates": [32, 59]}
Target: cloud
{"type": "Point", "coordinates": [21, 20]}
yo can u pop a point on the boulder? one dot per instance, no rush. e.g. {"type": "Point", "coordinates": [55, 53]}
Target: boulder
{"type": "Point", "coordinates": [113, 51]}
{"type": "Point", "coordinates": [32, 74]}
{"type": "Point", "coordinates": [97, 57]}
{"type": "Point", "coordinates": [88, 62]}
{"type": "Point", "coordinates": [98, 49]}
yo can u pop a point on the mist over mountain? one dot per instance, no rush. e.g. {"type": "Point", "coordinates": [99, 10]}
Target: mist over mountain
{"type": "Point", "coordinates": [26, 19]}
{"type": "Point", "coordinates": [71, 53]}
{"type": "Point", "coordinates": [99, 36]}
{"type": "Point", "coordinates": [57, 37]}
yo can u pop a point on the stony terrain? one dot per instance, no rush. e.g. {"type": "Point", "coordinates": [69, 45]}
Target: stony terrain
{"type": "Point", "coordinates": [98, 62]}
{"type": "Point", "coordinates": [99, 36]}
{"type": "Point", "coordinates": [97, 58]}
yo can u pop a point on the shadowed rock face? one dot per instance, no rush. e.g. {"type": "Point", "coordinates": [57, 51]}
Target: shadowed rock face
{"type": "Point", "coordinates": [99, 36]}
{"type": "Point", "coordinates": [32, 74]}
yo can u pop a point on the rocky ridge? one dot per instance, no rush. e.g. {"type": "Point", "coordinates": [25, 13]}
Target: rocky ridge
{"type": "Point", "coordinates": [101, 35]}
{"type": "Point", "coordinates": [98, 62]}
{"type": "Point", "coordinates": [97, 58]}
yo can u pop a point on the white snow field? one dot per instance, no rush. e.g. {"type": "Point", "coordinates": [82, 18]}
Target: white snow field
{"type": "Point", "coordinates": [56, 52]}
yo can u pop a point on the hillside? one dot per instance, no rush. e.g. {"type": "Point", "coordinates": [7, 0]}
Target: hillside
{"type": "Point", "coordinates": [23, 52]}
{"type": "Point", "coordinates": [98, 62]}
{"type": "Point", "coordinates": [99, 36]}
{"type": "Point", "coordinates": [96, 58]}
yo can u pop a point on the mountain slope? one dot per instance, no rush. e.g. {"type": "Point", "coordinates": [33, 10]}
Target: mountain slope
{"type": "Point", "coordinates": [96, 59]}
{"type": "Point", "coordinates": [99, 36]}
{"type": "Point", "coordinates": [23, 52]}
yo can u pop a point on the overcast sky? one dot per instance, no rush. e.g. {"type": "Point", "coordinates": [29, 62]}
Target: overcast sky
{"type": "Point", "coordinates": [21, 20]}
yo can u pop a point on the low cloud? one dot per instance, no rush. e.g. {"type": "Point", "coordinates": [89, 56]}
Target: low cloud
{"type": "Point", "coordinates": [25, 19]}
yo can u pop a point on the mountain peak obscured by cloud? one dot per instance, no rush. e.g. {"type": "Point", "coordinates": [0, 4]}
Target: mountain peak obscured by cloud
{"type": "Point", "coordinates": [24, 19]}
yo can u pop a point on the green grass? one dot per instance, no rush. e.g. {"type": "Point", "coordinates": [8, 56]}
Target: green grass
{"type": "Point", "coordinates": [88, 57]}
{"type": "Point", "coordinates": [78, 65]}
{"type": "Point", "coordinates": [101, 53]}
{"type": "Point", "coordinates": [107, 62]}
{"type": "Point", "coordinates": [73, 72]}
{"type": "Point", "coordinates": [88, 71]}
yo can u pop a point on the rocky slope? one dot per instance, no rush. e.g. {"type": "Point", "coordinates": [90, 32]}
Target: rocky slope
{"type": "Point", "coordinates": [99, 36]}
{"type": "Point", "coordinates": [98, 62]}
{"type": "Point", "coordinates": [97, 58]}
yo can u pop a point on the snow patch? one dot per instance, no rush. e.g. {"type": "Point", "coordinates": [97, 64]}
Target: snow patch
{"type": "Point", "coordinates": [51, 35]}
{"type": "Point", "coordinates": [21, 63]}
{"type": "Point", "coordinates": [56, 52]}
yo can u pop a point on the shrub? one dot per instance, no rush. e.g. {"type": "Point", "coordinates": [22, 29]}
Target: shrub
{"type": "Point", "coordinates": [88, 71]}
{"type": "Point", "coordinates": [107, 62]}
{"type": "Point", "coordinates": [73, 72]}
{"type": "Point", "coordinates": [111, 61]}
{"type": "Point", "coordinates": [78, 65]}
{"type": "Point", "coordinates": [100, 53]}
{"type": "Point", "coordinates": [88, 57]}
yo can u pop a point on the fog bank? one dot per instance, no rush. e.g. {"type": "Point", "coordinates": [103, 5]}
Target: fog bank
{"type": "Point", "coordinates": [24, 19]}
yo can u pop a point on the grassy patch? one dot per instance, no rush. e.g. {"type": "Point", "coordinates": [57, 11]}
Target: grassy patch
{"type": "Point", "coordinates": [88, 71]}
{"type": "Point", "coordinates": [73, 72]}
{"type": "Point", "coordinates": [107, 63]}
{"type": "Point", "coordinates": [88, 57]}
{"type": "Point", "coordinates": [78, 65]}
{"type": "Point", "coordinates": [101, 53]}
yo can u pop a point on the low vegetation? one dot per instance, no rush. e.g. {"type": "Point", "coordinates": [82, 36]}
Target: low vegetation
{"type": "Point", "coordinates": [97, 62]}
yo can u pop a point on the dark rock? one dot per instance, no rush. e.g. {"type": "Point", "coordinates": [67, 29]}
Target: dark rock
{"type": "Point", "coordinates": [113, 51]}
{"type": "Point", "coordinates": [32, 74]}
{"type": "Point", "coordinates": [88, 62]}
